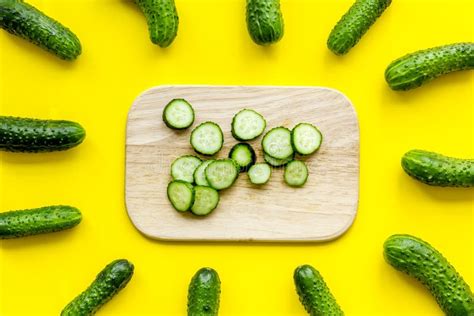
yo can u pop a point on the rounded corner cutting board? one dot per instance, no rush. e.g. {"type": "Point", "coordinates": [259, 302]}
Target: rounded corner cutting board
{"type": "Point", "coordinates": [321, 210]}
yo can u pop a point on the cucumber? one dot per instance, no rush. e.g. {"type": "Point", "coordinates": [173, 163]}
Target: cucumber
{"type": "Point", "coordinates": [24, 20]}
{"type": "Point", "coordinates": [416, 69]}
{"type": "Point", "coordinates": [181, 195]}
{"type": "Point", "coordinates": [277, 162]}
{"type": "Point", "coordinates": [264, 21]}
{"type": "Point", "coordinates": [162, 19]}
{"type": "Point", "coordinates": [205, 200]}
{"type": "Point", "coordinates": [203, 294]}
{"type": "Point", "coordinates": [277, 143]}
{"type": "Point", "coordinates": [178, 114]}
{"type": "Point", "coordinates": [260, 173]}
{"type": "Point", "coordinates": [306, 138]}
{"type": "Point", "coordinates": [32, 135]}
{"type": "Point", "coordinates": [314, 294]}
{"type": "Point", "coordinates": [222, 173]}
{"type": "Point", "coordinates": [108, 283]}
{"type": "Point", "coordinates": [354, 24]}
{"type": "Point", "coordinates": [207, 138]}
{"type": "Point", "coordinates": [41, 220]}
{"type": "Point", "coordinates": [296, 173]}
{"type": "Point", "coordinates": [183, 168]}
{"type": "Point", "coordinates": [420, 260]}
{"type": "Point", "coordinates": [247, 125]}
{"type": "Point", "coordinates": [199, 174]}
{"type": "Point", "coordinates": [438, 170]}
{"type": "Point", "coordinates": [244, 155]}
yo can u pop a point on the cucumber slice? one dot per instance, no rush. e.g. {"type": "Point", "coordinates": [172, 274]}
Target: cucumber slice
{"type": "Point", "coordinates": [277, 143]}
{"type": "Point", "coordinates": [244, 155]}
{"type": "Point", "coordinates": [260, 173]}
{"type": "Point", "coordinates": [207, 138]}
{"type": "Point", "coordinates": [205, 200]}
{"type": "Point", "coordinates": [222, 173]}
{"type": "Point", "coordinates": [248, 125]}
{"type": "Point", "coordinates": [183, 168]}
{"type": "Point", "coordinates": [306, 138]}
{"type": "Point", "coordinates": [200, 176]}
{"type": "Point", "coordinates": [296, 173]}
{"type": "Point", "coordinates": [277, 162]}
{"type": "Point", "coordinates": [178, 114]}
{"type": "Point", "coordinates": [181, 195]}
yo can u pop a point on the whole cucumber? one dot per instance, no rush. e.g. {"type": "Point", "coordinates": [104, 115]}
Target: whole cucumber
{"type": "Point", "coordinates": [264, 21]}
{"type": "Point", "coordinates": [162, 19]}
{"type": "Point", "coordinates": [24, 20]}
{"type": "Point", "coordinates": [435, 169]}
{"type": "Point", "coordinates": [420, 260]}
{"type": "Point", "coordinates": [314, 294]}
{"type": "Point", "coordinates": [108, 282]}
{"type": "Point", "coordinates": [32, 135]}
{"type": "Point", "coordinates": [36, 221]}
{"type": "Point", "coordinates": [203, 294]}
{"type": "Point", "coordinates": [415, 69]}
{"type": "Point", "coordinates": [354, 24]}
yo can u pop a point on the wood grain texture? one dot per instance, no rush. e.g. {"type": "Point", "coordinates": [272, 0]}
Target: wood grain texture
{"type": "Point", "coordinates": [321, 210]}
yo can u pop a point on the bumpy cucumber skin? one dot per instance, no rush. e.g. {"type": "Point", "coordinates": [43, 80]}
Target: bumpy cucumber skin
{"type": "Point", "coordinates": [32, 135]}
{"type": "Point", "coordinates": [162, 18]}
{"type": "Point", "coordinates": [108, 282]}
{"type": "Point", "coordinates": [204, 292]}
{"type": "Point", "coordinates": [264, 21]}
{"type": "Point", "coordinates": [25, 21]}
{"type": "Point", "coordinates": [314, 293]}
{"type": "Point", "coordinates": [48, 219]}
{"type": "Point", "coordinates": [416, 69]}
{"type": "Point", "coordinates": [438, 170]}
{"type": "Point", "coordinates": [354, 24]}
{"type": "Point", "coordinates": [420, 260]}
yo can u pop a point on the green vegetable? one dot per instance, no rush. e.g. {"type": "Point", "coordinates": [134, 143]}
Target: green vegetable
{"type": "Point", "coordinates": [420, 260]}
{"type": "Point", "coordinates": [435, 169]}
{"type": "Point", "coordinates": [306, 138]}
{"type": "Point", "coordinates": [244, 155]}
{"type": "Point", "coordinates": [207, 138]}
{"type": "Point", "coordinates": [200, 175]}
{"type": "Point", "coordinates": [205, 200]}
{"type": "Point", "coordinates": [108, 282]}
{"type": "Point", "coordinates": [247, 125]}
{"type": "Point", "coordinates": [314, 293]}
{"type": "Point", "coordinates": [221, 174]}
{"type": "Point", "coordinates": [25, 21]}
{"type": "Point", "coordinates": [296, 173]}
{"type": "Point", "coordinates": [162, 19]}
{"type": "Point", "coordinates": [259, 173]}
{"type": "Point", "coordinates": [277, 162]}
{"type": "Point", "coordinates": [183, 168]}
{"type": "Point", "coordinates": [277, 143]}
{"type": "Point", "coordinates": [264, 21]}
{"type": "Point", "coordinates": [181, 195]}
{"type": "Point", "coordinates": [354, 24]}
{"type": "Point", "coordinates": [38, 221]}
{"type": "Point", "coordinates": [203, 294]}
{"type": "Point", "coordinates": [414, 70]}
{"type": "Point", "coordinates": [178, 114]}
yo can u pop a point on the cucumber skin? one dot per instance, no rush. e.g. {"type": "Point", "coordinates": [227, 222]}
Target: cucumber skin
{"type": "Point", "coordinates": [108, 282]}
{"type": "Point", "coordinates": [420, 260]}
{"type": "Point", "coordinates": [415, 69]}
{"type": "Point", "coordinates": [48, 219]}
{"type": "Point", "coordinates": [314, 293]}
{"type": "Point", "coordinates": [204, 292]}
{"type": "Point", "coordinates": [264, 21]}
{"type": "Point", "coordinates": [25, 21]}
{"type": "Point", "coordinates": [32, 135]}
{"type": "Point", "coordinates": [438, 170]}
{"type": "Point", "coordinates": [162, 19]}
{"type": "Point", "coordinates": [354, 24]}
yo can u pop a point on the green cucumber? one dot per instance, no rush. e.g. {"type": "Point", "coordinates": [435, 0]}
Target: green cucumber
{"type": "Point", "coordinates": [24, 20]}
{"type": "Point", "coordinates": [296, 173]}
{"type": "Point", "coordinates": [259, 173]}
{"type": "Point", "coordinates": [221, 174]}
{"type": "Point", "coordinates": [264, 21]}
{"type": "Point", "coordinates": [162, 19]}
{"type": "Point", "coordinates": [200, 175]}
{"type": "Point", "coordinates": [180, 194]}
{"type": "Point", "coordinates": [277, 143]}
{"type": "Point", "coordinates": [108, 283]}
{"type": "Point", "coordinates": [306, 138]}
{"type": "Point", "coordinates": [244, 155]}
{"type": "Point", "coordinates": [247, 124]}
{"type": "Point", "coordinates": [205, 200]}
{"type": "Point", "coordinates": [41, 220]}
{"type": "Point", "coordinates": [207, 138]}
{"type": "Point", "coordinates": [277, 162]}
{"type": "Point", "coordinates": [178, 114]}
{"type": "Point", "coordinates": [203, 294]}
{"type": "Point", "coordinates": [354, 24]}
{"type": "Point", "coordinates": [314, 294]}
{"type": "Point", "coordinates": [416, 69]}
{"type": "Point", "coordinates": [183, 168]}
{"type": "Point", "coordinates": [420, 260]}
{"type": "Point", "coordinates": [438, 170]}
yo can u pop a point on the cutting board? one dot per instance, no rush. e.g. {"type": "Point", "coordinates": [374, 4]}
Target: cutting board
{"type": "Point", "coordinates": [321, 210]}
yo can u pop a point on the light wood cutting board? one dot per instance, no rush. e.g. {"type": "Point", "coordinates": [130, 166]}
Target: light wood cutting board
{"type": "Point", "coordinates": [321, 210]}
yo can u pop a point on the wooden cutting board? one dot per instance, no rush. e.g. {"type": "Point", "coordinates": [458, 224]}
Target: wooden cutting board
{"type": "Point", "coordinates": [321, 210]}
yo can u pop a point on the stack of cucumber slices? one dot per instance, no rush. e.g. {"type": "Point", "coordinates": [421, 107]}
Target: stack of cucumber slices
{"type": "Point", "coordinates": [196, 182]}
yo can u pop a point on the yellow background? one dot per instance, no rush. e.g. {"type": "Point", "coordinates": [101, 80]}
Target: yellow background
{"type": "Point", "coordinates": [40, 275]}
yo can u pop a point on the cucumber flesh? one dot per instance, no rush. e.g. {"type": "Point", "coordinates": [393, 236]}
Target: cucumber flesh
{"type": "Point", "coordinates": [296, 173]}
{"type": "Point", "coordinates": [260, 173]}
{"type": "Point", "coordinates": [247, 125]}
{"type": "Point", "coordinates": [207, 138]}
{"type": "Point", "coordinates": [200, 175]}
{"type": "Point", "coordinates": [205, 200]}
{"type": "Point", "coordinates": [178, 114]}
{"type": "Point", "coordinates": [244, 155]}
{"type": "Point", "coordinates": [203, 294]}
{"type": "Point", "coordinates": [277, 143]}
{"type": "Point", "coordinates": [221, 174]}
{"type": "Point", "coordinates": [306, 138]}
{"type": "Point", "coordinates": [277, 162]}
{"type": "Point", "coordinates": [181, 195]}
{"type": "Point", "coordinates": [183, 168]}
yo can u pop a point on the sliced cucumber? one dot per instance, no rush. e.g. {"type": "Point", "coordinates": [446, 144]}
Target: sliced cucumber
{"type": "Point", "coordinates": [183, 168]}
{"type": "Point", "coordinates": [181, 195]}
{"type": "Point", "coordinates": [306, 138]}
{"type": "Point", "coordinates": [296, 173]}
{"type": "Point", "coordinates": [205, 200]}
{"type": "Point", "coordinates": [277, 143]}
{"type": "Point", "coordinates": [244, 155]}
{"type": "Point", "coordinates": [178, 114]}
{"type": "Point", "coordinates": [260, 173]}
{"type": "Point", "coordinates": [277, 162]}
{"type": "Point", "coordinates": [222, 173]}
{"type": "Point", "coordinates": [248, 125]}
{"type": "Point", "coordinates": [207, 138]}
{"type": "Point", "coordinates": [200, 176]}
